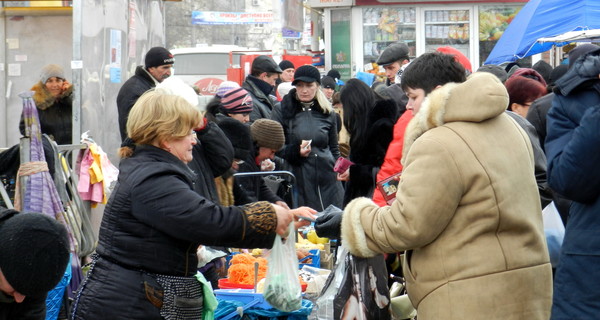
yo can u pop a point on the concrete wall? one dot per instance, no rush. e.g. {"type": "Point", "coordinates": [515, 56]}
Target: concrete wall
{"type": "Point", "coordinates": [31, 42]}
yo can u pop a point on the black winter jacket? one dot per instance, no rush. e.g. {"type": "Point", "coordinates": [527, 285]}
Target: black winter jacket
{"type": "Point", "coordinates": [153, 224]}
{"type": "Point", "coordinates": [368, 159]}
{"type": "Point", "coordinates": [213, 155]}
{"type": "Point", "coordinates": [56, 114]}
{"type": "Point", "coordinates": [129, 93]}
{"type": "Point", "coordinates": [263, 104]}
{"type": "Point", "coordinates": [316, 182]}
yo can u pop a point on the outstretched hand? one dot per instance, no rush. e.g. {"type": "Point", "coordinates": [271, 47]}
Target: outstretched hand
{"type": "Point", "coordinates": [284, 218]}
{"type": "Point", "coordinates": [329, 223]}
{"type": "Point", "coordinates": [303, 212]}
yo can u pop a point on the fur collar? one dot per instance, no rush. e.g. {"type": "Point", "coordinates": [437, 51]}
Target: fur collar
{"type": "Point", "coordinates": [290, 105]}
{"type": "Point", "coordinates": [480, 98]}
{"type": "Point", "coordinates": [43, 98]}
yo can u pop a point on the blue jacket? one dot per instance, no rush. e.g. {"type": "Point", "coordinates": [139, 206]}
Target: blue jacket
{"type": "Point", "coordinates": [573, 152]}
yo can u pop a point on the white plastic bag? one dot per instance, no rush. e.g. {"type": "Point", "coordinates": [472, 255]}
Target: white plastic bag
{"type": "Point", "coordinates": [554, 230]}
{"type": "Point", "coordinates": [282, 286]}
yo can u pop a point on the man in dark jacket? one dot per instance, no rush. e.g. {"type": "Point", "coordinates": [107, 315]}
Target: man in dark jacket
{"type": "Point", "coordinates": [157, 67]}
{"type": "Point", "coordinates": [259, 84]}
{"type": "Point", "coordinates": [572, 141]}
{"type": "Point", "coordinates": [394, 59]}
{"type": "Point", "coordinates": [34, 254]}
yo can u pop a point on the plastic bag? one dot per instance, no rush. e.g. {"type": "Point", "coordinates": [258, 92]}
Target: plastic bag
{"type": "Point", "coordinates": [282, 286]}
{"type": "Point", "coordinates": [356, 289]}
{"type": "Point", "coordinates": [554, 230]}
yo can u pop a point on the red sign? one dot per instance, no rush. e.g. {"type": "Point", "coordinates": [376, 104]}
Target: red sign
{"type": "Point", "coordinates": [208, 86]}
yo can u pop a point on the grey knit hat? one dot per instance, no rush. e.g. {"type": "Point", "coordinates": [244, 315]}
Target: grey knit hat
{"type": "Point", "coordinates": [268, 134]}
{"type": "Point", "coordinates": [51, 70]}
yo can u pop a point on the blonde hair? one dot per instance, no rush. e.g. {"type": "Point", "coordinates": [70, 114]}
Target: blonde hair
{"type": "Point", "coordinates": [158, 116]}
{"type": "Point", "coordinates": [323, 101]}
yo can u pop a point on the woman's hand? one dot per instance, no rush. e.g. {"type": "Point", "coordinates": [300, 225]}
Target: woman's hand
{"type": "Point", "coordinates": [284, 218]}
{"type": "Point", "coordinates": [283, 204]}
{"type": "Point", "coordinates": [305, 148]}
{"type": "Point", "coordinates": [344, 176]}
{"type": "Point", "coordinates": [66, 85]}
{"type": "Point", "coordinates": [303, 212]}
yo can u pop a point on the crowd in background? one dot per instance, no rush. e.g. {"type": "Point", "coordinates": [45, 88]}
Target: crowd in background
{"type": "Point", "coordinates": [477, 154]}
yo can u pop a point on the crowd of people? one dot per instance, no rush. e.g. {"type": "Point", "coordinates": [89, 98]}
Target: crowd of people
{"type": "Point", "coordinates": [476, 155]}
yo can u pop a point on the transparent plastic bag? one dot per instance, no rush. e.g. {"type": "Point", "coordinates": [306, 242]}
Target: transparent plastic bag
{"type": "Point", "coordinates": [282, 286]}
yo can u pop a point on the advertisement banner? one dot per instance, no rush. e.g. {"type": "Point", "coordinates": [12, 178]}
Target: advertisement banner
{"type": "Point", "coordinates": [217, 17]}
{"type": "Point", "coordinates": [293, 15]}
{"type": "Point", "coordinates": [340, 43]}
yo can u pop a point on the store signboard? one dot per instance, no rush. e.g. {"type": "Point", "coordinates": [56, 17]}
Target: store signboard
{"type": "Point", "coordinates": [340, 43]}
{"type": "Point", "coordinates": [413, 2]}
{"type": "Point", "coordinates": [329, 3]}
{"type": "Point", "coordinates": [215, 17]}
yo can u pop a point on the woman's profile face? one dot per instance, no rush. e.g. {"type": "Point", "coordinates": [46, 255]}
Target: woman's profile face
{"type": "Point", "coordinates": [55, 86]}
{"type": "Point", "coordinates": [306, 91]}
{"type": "Point", "coordinates": [182, 147]}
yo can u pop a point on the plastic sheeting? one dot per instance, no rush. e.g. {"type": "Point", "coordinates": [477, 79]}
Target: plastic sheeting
{"type": "Point", "coordinates": [115, 35]}
{"type": "Point", "coordinates": [543, 18]}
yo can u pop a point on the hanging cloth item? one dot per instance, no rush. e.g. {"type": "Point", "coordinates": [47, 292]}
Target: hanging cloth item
{"type": "Point", "coordinates": [96, 173]}
{"type": "Point", "coordinates": [39, 192]}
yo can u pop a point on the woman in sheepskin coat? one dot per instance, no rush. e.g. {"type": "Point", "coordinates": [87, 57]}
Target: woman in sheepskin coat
{"type": "Point", "coordinates": [467, 211]}
{"type": "Point", "coordinates": [52, 97]}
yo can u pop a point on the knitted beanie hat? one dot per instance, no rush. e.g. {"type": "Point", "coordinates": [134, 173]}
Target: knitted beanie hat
{"type": "Point", "coordinates": [236, 101]}
{"type": "Point", "coordinates": [224, 87]}
{"type": "Point", "coordinates": [286, 64]}
{"type": "Point", "coordinates": [239, 135]}
{"type": "Point", "coordinates": [268, 134]}
{"type": "Point", "coordinates": [51, 70]}
{"type": "Point", "coordinates": [158, 56]}
{"type": "Point", "coordinates": [34, 251]}
{"type": "Point", "coordinates": [308, 74]}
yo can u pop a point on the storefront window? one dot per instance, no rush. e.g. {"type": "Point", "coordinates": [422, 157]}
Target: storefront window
{"type": "Point", "coordinates": [493, 20]}
{"type": "Point", "coordinates": [384, 26]}
{"type": "Point", "coordinates": [447, 28]}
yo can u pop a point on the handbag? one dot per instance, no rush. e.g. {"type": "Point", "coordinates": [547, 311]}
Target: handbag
{"type": "Point", "coordinates": [356, 288]}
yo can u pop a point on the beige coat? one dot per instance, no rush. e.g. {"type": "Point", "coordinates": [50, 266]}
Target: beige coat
{"type": "Point", "coordinates": [467, 211]}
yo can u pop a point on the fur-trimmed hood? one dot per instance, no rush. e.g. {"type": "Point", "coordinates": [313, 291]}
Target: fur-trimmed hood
{"type": "Point", "coordinates": [43, 98]}
{"type": "Point", "coordinates": [480, 98]}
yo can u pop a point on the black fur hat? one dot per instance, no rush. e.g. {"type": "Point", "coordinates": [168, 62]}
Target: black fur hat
{"type": "Point", "coordinates": [239, 135]}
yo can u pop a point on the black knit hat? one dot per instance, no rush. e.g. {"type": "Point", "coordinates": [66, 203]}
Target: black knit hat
{"type": "Point", "coordinates": [286, 64]}
{"type": "Point", "coordinates": [328, 82]}
{"type": "Point", "coordinates": [34, 251]}
{"type": "Point", "coordinates": [268, 134]}
{"type": "Point", "coordinates": [334, 74]}
{"type": "Point", "coordinates": [158, 56]}
{"type": "Point", "coordinates": [307, 73]}
{"type": "Point", "coordinates": [239, 135]}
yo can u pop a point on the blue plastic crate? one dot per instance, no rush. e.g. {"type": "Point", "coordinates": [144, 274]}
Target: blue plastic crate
{"type": "Point", "coordinates": [315, 255]}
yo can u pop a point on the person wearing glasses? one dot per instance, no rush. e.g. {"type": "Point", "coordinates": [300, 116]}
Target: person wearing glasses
{"type": "Point", "coordinates": [145, 264]}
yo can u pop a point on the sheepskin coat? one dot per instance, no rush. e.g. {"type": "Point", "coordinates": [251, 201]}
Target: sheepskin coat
{"type": "Point", "coordinates": [467, 211]}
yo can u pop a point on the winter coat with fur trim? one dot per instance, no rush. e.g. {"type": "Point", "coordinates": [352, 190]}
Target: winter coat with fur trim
{"type": "Point", "coordinates": [56, 114]}
{"type": "Point", "coordinates": [368, 159]}
{"type": "Point", "coordinates": [467, 211]}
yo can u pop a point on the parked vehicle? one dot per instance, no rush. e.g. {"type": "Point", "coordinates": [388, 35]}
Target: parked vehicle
{"type": "Point", "coordinates": [206, 67]}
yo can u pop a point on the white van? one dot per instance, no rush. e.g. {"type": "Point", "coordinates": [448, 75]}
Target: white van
{"type": "Point", "coordinates": [206, 66]}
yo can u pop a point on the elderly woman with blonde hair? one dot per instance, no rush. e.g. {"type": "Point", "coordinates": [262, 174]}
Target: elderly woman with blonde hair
{"type": "Point", "coordinates": [145, 263]}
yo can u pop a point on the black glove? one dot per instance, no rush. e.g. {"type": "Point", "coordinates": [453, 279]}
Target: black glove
{"type": "Point", "coordinates": [329, 223]}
